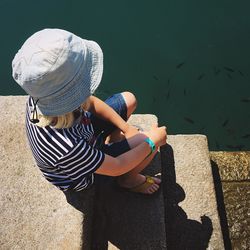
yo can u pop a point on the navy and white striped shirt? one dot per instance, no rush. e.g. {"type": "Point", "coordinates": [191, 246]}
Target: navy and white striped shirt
{"type": "Point", "coordinates": [65, 156]}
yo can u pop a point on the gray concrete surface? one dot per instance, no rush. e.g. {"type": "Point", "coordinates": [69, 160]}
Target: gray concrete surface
{"type": "Point", "coordinates": [192, 220]}
{"type": "Point", "coordinates": [33, 213]}
{"type": "Point", "coordinates": [126, 220]}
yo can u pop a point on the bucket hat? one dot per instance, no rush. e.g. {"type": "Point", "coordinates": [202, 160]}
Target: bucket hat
{"type": "Point", "coordinates": [58, 69]}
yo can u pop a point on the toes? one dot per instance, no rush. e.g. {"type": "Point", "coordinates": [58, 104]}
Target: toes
{"type": "Point", "coordinates": [157, 180]}
{"type": "Point", "coordinates": [153, 188]}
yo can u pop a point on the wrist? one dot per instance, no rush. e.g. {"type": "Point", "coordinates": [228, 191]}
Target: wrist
{"type": "Point", "coordinates": [153, 139]}
{"type": "Point", "coordinates": [151, 145]}
{"type": "Point", "coordinates": [125, 127]}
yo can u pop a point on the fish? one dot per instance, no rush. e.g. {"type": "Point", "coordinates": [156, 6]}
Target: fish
{"type": "Point", "coordinates": [180, 65]}
{"type": "Point", "coordinates": [155, 77]}
{"type": "Point", "coordinates": [168, 94]}
{"type": "Point", "coordinates": [241, 73]}
{"type": "Point", "coordinates": [229, 69]}
{"type": "Point", "coordinates": [200, 76]}
{"type": "Point", "coordinates": [246, 136]}
{"type": "Point", "coordinates": [229, 76]}
{"type": "Point", "coordinates": [188, 120]}
{"type": "Point", "coordinates": [239, 147]}
{"type": "Point", "coordinates": [230, 131]}
{"type": "Point", "coordinates": [225, 123]}
{"type": "Point", "coordinates": [216, 71]}
{"type": "Point", "coordinates": [168, 83]}
{"type": "Point", "coordinates": [245, 100]}
{"type": "Point", "coordinates": [201, 130]}
{"type": "Point", "coordinates": [217, 145]}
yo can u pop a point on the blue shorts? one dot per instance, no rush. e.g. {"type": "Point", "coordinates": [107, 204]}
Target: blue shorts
{"type": "Point", "coordinates": [102, 128]}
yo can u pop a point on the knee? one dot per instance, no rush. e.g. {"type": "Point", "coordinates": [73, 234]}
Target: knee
{"type": "Point", "coordinates": [130, 100]}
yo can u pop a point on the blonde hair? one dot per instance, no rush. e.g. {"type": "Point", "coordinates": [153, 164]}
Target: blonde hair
{"type": "Point", "coordinates": [61, 121]}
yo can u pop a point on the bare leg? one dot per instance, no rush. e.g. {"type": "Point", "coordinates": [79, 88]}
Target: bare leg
{"type": "Point", "coordinates": [131, 103]}
{"type": "Point", "coordinates": [133, 178]}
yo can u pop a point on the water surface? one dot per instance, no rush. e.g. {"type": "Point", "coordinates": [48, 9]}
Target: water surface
{"type": "Point", "coordinates": [186, 61]}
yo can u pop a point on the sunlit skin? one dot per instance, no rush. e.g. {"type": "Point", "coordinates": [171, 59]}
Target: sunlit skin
{"type": "Point", "coordinates": [135, 160]}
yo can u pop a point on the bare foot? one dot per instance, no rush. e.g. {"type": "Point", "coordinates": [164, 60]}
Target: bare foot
{"type": "Point", "coordinates": [130, 183]}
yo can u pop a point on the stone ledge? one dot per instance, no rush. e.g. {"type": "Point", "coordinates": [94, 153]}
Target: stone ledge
{"type": "Point", "coordinates": [233, 166]}
{"type": "Point", "coordinates": [237, 199]}
{"type": "Point", "coordinates": [126, 220]}
{"type": "Point", "coordinates": [34, 214]}
{"type": "Point", "coordinates": [191, 207]}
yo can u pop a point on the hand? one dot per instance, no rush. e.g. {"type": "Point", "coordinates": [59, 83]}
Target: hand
{"type": "Point", "coordinates": [158, 135]}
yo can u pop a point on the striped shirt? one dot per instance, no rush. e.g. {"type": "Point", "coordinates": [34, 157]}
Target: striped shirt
{"type": "Point", "coordinates": [65, 156]}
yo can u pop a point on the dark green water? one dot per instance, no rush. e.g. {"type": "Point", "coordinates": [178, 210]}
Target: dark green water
{"type": "Point", "coordinates": [186, 61]}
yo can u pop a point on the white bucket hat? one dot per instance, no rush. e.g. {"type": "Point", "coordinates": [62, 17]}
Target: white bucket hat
{"type": "Point", "coordinates": [58, 69]}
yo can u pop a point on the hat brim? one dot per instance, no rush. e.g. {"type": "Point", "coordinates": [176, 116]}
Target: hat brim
{"type": "Point", "coordinates": [80, 87]}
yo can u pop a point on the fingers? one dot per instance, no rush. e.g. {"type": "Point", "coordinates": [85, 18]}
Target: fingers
{"type": "Point", "coordinates": [164, 127]}
{"type": "Point", "coordinates": [158, 134]}
{"type": "Point", "coordinates": [155, 125]}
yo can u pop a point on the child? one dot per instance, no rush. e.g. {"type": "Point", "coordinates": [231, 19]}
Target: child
{"type": "Point", "coordinates": [73, 134]}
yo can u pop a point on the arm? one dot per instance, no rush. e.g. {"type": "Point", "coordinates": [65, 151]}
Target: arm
{"type": "Point", "coordinates": [115, 166]}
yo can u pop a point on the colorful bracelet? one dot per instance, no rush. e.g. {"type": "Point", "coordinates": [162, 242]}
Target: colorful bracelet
{"type": "Point", "coordinates": [151, 144]}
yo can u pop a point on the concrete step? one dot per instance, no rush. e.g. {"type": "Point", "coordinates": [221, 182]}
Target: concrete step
{"type": "Point", "coordinates": [34, 214]}
{"type": "Point", "coordinates": [125, 220]}
{"type": "Point", "coordinates": [192, 220]}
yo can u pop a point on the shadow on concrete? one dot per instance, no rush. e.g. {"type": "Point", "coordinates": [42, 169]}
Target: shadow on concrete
{"type": "Point", "coordinates": [127, 220]}
{"type": "Point", "coordinates": [181, 232]}
{"type": "Point", "coordinates": [221, 206]}
{"type": "Point", "coordinates": [83, 202]}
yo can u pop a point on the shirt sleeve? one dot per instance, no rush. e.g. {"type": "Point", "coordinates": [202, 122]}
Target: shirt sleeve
{"type": "Point", "coordinates": [83, 160]}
